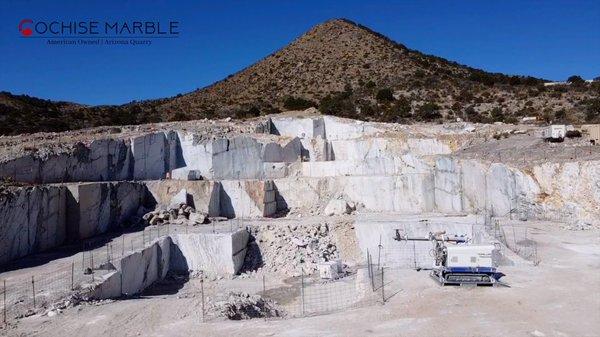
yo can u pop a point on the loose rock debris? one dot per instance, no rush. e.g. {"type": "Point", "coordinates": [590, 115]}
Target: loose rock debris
{"type": "Point", "coordinates": [290, 249]}
{"type": "Point", "coordinates": [241, 305]}
{"type": "Point", "coordinates": [181, 212]}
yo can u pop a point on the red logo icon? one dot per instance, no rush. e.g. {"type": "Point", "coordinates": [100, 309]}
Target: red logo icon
{"type": "Point", "coordinates": [25, 31]}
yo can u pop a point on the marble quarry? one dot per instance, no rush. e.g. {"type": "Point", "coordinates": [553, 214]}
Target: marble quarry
{"type": "Point", "coordinates": [290, 165]}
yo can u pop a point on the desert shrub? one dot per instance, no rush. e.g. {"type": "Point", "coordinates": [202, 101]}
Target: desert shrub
{"type": "Point", "coordinates": [420, 73]}
{"type": "Point", "coordinates": [339, 104]}
{"type": "Point", "coordinates": [556, 94]}
{"type": "Point", "coordinates": [297, 103]}
{"type": "Point", "coordinates": [560, 115]}
{"type": "Point", "coordinates": [482, 77]}
{"type": "Point", "coordinates": [250, 112]}
{"type": "Point", "coordinates": [497, 115]}
{"type": "Point", "coordinates": [471, 115]}
{"type": "Point", "coordinates": [402, 107]}
{"type": "Point", "coordinates": [511, 120]}
{"type": "Point", "coordinates": [398, 111]}
{"type": "Point", "coordinates": [456, 107]}
{"type": "Point", "coordinates": [385, 95]}
{"type": "Point", "coordinates": [428, 112]}
{"type": "Point", "coordinates": [514, 80]}
{"type": "Point", "coordinates": [178, 117]}
{"type": "Point", "coordinates": [367, 109]}
{"type": "Point", "coordinates": [592, 113]}
{"type": "Point", "coordinates": [348, 89]}
{"type": "Point", "coordinates": [528, 80]}
{"type": "Point", "coordinates": [575, 79]}
{"type": "Point", "coordinates": [465, 96]}
{"type": "Point", "coordinates": [253, 111]}
{"type": "Point", "coordinates": [546, 115]}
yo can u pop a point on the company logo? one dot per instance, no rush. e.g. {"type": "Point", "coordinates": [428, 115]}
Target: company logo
{"type": "Point", "coordinates": [99, 29]}
{"type": "Point", "coordinates": [25, 31]}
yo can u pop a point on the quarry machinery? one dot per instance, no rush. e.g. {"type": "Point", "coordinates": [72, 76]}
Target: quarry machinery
{"type": "Point", "coordinates": [456, 261]}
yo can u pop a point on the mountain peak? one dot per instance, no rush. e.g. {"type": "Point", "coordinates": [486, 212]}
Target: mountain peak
{"type": "Point", "coordinates": [337, 22]}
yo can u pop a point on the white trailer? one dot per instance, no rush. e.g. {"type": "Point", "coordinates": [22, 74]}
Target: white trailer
{"type": "Point", "coordinates": [555, 132]}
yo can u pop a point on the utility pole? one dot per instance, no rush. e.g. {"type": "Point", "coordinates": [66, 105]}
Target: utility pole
{"type": "Point", "coordinates": [202, 294]}
{"type": "Point", "coordinates": [302, 291]}
{"type": "Point", "coordinates": [33, 290]}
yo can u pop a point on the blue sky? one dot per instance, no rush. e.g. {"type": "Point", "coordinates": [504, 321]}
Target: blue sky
{"type": "Point", "coordinates": [548, 39]}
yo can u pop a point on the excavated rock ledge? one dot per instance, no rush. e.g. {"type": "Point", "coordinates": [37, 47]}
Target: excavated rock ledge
{"type": "Point", "coordinates": [209, 253]}
{"type": "Point", "coordinates": [287, 166]}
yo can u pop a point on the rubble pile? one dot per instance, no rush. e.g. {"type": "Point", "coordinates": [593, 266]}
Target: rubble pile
{"type": "Point", "coordinates": [290, 249]}
{"type": "Point", "coordinates": [68, 302]}
{"type": "Point", "coordinates": [241, 305]}
{"type": "Point", "coordinates": [182, 212]}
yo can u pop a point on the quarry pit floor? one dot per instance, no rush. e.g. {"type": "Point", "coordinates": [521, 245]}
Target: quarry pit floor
{"type": "Point", "coordinates": [558, 297]}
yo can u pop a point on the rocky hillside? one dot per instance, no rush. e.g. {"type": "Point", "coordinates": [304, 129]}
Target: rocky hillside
{"type": "Point", "coordinates": [344, 69]}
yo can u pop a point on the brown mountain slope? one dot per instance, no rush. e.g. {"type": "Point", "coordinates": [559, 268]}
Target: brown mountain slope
{"type": "Point", "coordinates": [322, 61]}
{"type": "Point", "coordinates": [348, 70]}
{"type": "Point", "coordinates": [341, 56]}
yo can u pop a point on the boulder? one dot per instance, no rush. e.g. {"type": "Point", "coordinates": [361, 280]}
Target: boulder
{"type": "Point", "coordinates": [339, 207]}
{"type": "Point", "coordinates": [153, 221]}
{"type": "Point", "coordinates": [181, 198]}
{"type": "Point", "coordinates": [198, 217]}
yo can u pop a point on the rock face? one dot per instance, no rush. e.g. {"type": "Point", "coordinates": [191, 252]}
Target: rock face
{"type": "Point", "coordinates": [287, 166]}
{"type": "Point", "coordinates": [136, 271]}
{"type": "Point", "coordinates": [102, 160]}
{"type": "Point", "coordinates": [221, 253]}
{"type": "Point", "coordinates": [216, 254]}
{"type": "Point", "coordinates": [456, 186]}
{"type": "Point", "coordinates": [248, 198]}
{"type": "Point", "coordinates": [39, 218]}
{"type": "Point", "coordinates": [32, 220]}
{"type": "Point", "coordinates": [152, 156]}
{"type": "Point", "coordinates": [97, 208]}
{"type": "Point", "coordinates": [569, 191]}
{"type": "Point", "coordinates": [202, 195]}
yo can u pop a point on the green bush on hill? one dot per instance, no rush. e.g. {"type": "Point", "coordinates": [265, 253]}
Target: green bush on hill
{"type": "Point", "coordinates": [385, 95]}
{"type": "Point", "coordinates": [428, 112]}
{"type": "Point", "coordinates": [297, 103]}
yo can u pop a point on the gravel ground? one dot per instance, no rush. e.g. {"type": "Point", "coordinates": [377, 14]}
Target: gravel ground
{"type": "Point", "coordinates": [528, 150]}
{"type": "Point", "coordinates": [558, 297]}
